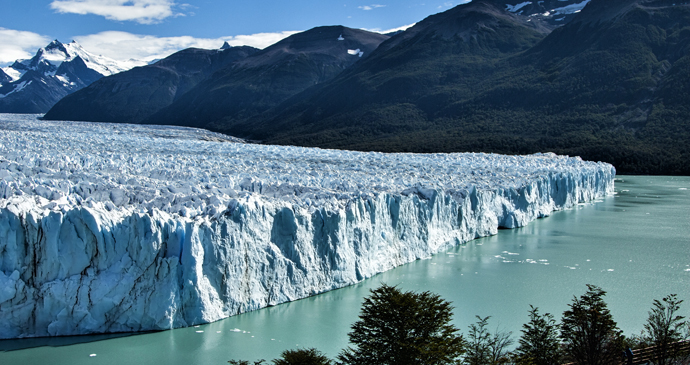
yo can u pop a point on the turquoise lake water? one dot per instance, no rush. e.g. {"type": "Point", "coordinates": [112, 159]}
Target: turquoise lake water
{"type": "Point", "coordinates": [635, 245]}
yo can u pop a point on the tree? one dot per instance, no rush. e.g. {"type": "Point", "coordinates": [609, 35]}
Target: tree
{"type": "Point", "coordinates": [664, 329]}
{"type": "Point", "coordinates": [310, 356]}
{"type": "Point", "coordinates": [484, 348]}
{"type": "Point", "coordinates": [589, 333]}
{"type": "Point", "coordinates": [478, 343]}
{"type": "Point", "coordinates": [539, 343]}
{"type": "Point", "coordinates": [500, 341]}
{"type": "Point", "coordinates": [403, 328]}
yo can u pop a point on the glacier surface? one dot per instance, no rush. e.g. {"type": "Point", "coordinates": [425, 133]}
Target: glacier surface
{"type": "Point", "coordinates": [110, 228]}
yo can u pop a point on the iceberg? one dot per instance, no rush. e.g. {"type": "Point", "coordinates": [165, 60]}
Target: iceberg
{"type": "Point", "coordinates": [118, 228]}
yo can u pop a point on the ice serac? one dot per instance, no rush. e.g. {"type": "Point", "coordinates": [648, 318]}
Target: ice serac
{"type": "Point", "coordinates": [107, 228]}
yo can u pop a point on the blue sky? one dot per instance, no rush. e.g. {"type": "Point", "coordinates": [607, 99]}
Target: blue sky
{"type": "Point", "coordinates": [148, 29]}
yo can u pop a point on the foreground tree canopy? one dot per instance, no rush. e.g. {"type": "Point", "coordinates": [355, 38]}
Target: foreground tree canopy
{"type": "Point", "coordinates": [402, 328]}
{"type": "Point", "coordinates": [665, 329]}
{"type": "Point", "coordinates": [588, 331]}
{"type": "Point", "coordinates": [539, 343]}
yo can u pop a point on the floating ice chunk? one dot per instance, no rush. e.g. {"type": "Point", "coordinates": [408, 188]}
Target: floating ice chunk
{"type": "Point", "coordinates": [92, 355]}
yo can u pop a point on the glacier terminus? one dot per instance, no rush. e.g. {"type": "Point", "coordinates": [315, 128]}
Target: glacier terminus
{"type": "Point", "coordinates": [118, 227]}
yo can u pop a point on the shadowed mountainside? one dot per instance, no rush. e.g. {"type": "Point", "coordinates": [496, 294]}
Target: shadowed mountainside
{"type": "Point", "coordinates": [134, 95]}
{"type": "Point", "coordinates": [611, 85]}
{"type": "Point", "coordinates": [238, 93]}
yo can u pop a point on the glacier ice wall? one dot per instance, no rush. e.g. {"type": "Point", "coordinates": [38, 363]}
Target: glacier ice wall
{"type": "Point", "coordinates": [109, 228]}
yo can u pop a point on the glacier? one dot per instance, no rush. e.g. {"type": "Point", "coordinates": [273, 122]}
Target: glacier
{"type": "Point", "coordinates": [118, 228]}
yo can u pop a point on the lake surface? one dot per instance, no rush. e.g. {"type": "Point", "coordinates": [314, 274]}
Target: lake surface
{"type": "Point", "coordinates": [635, 245]}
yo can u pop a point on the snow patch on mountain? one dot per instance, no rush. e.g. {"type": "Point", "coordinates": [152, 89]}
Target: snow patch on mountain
{"type": "Point", "coordinates": [570, 9]}
{"type": "Point", "coordinates": [12, 73]}
{"type": "Point", "coordinates": [517, 7]}
{"type": "Point", "coordinates": [113, 227]}
{"type": "Point", "coordinates": [16, 88]}
{"type": "Point", "coordinates": [65, 80]}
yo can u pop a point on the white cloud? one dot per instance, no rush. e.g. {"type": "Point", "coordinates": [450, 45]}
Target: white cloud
{"type": "Point", "coordinates": [140, 11]}
{"type": "Point", "coordinates": [386, 31]}
{"type": "Point", "coordinates": [371, 7]}
{"type": "Point", "coordinates": [258, 40]}
{"type": "Point", "coordinates": [124, 46]}
{"type": "Point", "coordinates": [17, 44]}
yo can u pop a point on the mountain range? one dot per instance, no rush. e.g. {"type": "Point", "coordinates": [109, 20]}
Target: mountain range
{"type": "Point", "coordinates": [603, 79]}
{"type": "Point", "coordinates": [133, 95]}
{"type": "Point", "coordinates": [246, 83]}
{"type": "Point", "coordinates": [34, 85]}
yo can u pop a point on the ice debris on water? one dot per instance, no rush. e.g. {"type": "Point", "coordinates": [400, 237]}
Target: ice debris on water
{"type": "Point", "coordinates": [115, 227]}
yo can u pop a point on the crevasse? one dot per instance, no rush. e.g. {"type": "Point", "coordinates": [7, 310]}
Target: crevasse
{"type": "Point", "coordinates": [78, 263]}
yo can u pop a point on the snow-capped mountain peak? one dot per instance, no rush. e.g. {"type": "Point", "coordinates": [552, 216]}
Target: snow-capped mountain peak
{"type": "Point", "coordinates": [53, 72]}
{"type": "Point", "coordinates": [49, 58]}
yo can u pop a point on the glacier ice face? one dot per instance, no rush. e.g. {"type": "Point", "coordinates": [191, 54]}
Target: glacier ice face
{"type": "Point", "coordinates": [108, 228]}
